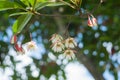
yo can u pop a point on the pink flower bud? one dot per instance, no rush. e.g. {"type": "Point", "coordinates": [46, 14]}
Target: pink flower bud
{"type": "Point", "coordinates": [92, 21]}
{"type": "Point", "coordinates": [19, 49]}
{"type": "Point", "coordinates": [13, 39]}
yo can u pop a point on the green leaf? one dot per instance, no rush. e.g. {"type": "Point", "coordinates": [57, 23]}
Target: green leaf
{"type": "Point", "coordinates": [26, 2]}
{"type": "Point", "coordinates": [20, 3]}
{"type": "Point", "coordinates": [19, 13]}
{"type": "Point", "coordinates": [41, 5]}
{"type": "Point", "coordinates": [32, 2]}
{"type": "Point", "coordinates": [29, 3]}
{"type": "Point", "coordinates": [21, 22]}
{"type": "Point", "coordinates": [80, 2]}
{"type": "Point", "coordinates": [68, 4]}
{"type": "Point", "coordinates": [55, 4]}
{"type": "Point", "coordinates": [5, 5]}
{"type": "Point", "coordinates": [76, 2]}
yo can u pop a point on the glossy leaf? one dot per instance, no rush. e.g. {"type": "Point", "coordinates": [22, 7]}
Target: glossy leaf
{"type": "Point", "coordinates": [21, 22]}
{"type": "Point", "coordinates": [5, 5]}
{"type": "Point", "coordinates": [66, 3]}
{"type": "Point", "coordinates": [44, 4]}
{"type": "Point", "coordinates": [76, 2]}
{"type": "Point", "coordinates": [80, 2]}
{"type": "Point", "coordinates": [32, 2]}
{"type": "Point", "coordinates": [29, 3]}
{"type": "Point", "coordinates": [25, 2]}
{"type": "Point", "coordinates": [20, 3]}
{"type": "Point", "coordinates": [19, 13]}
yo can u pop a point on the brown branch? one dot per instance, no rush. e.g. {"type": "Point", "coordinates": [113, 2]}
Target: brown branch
{"type": "Point", "coordinates": [54, 15]}
{"type": "Point", "coordinates": [60, 24]}
{"type": "Point", "coordinates": [89, 64]}
{"type": "Point", "coordinates": [62, 16]}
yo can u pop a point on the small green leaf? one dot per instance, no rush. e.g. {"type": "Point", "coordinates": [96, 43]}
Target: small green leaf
{"type": "Point", "coordinates": [25, 2]}
{"type": "Point", "coordinates": [20, 3]}
{"type": "Point", "coordinates": [72, 6]}
{"type": "Point", "coordinates": [21, 22]}
{"type": "Point", "coordinates": [80, 2]}
{"type": "Point", "coordinates": [41, 5]}
{"type": "Point", "coordinates": [76, 2]}
{"type": "Point", "coordinates": [32, 2]}
{"type": "Point", "coordinates": [55, 4]}
{"type": "Point", "coordinates": [19, 13]}
{"type": "Point", "coordinates": [5, 5]}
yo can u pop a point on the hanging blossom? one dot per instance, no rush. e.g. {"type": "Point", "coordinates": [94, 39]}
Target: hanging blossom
{"type": "Point", "coordinates": [13, 39]}
{"type": "Point", "coordinates": [69, 54]}
{"type": "Point", "coordinates": [31, 46]}
{"type": "Point", "coordinates": [19, 49]}
{"type": "Point", "coordinates": [58, 47]}
{"type": "Point", "coordinates": [92, 21]}
{"type": "Point", "coordinates": [70, 43]}
{"type": "Point", "coordinates": [56, 38]}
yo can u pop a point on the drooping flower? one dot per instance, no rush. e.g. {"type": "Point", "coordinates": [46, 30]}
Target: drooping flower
{"type": "Point", "coordinates": [31, 46]}
{"type": "Point", "coordinates": [19, 49]}
{"type": "Point", "coordinates": [58, 47]}
{"type": "Point", "coordinates": [13, 39]}
{"type": "Point", "coordinates": [69, 54]}
{"type": "Point", "coordinates": [56, 38]}
{"type": "Point", "coordinates": [70, 43]}
{"type": "Point", "coordinates": [92, 21]}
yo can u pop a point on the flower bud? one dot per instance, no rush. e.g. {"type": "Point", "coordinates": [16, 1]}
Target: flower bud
{"type": "Point", "coordinates": [19, 49]}
{"type": "Point", "coordinates": [92, 21]}
{"type": "Point", "coordinates": [13, 39]}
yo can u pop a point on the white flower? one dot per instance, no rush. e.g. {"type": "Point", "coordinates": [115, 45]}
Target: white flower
{"type": "Point", "coordinates": [69, 54]}
{"type": "Point", "coordinates": [58, 47]}
{"type": "Point", "coordinates": [70, 43]}
{"type": "Point", "coordinates": [56, 38]}
{"type": "Point", "coordinates": [31, 46]}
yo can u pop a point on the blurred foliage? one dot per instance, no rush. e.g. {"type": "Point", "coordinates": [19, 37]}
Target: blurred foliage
{"type": "Point", "coordinates": [91, 41]}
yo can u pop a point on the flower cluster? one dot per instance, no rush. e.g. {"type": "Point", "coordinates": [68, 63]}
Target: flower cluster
{"type": "Point", "coordinates": [19, 48]}
{"type": "Point", "coordinates": [59, 45]}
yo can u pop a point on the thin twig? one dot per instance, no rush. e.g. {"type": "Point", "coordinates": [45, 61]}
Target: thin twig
{"type": "Point", "coordinates": [101, 1]}
{"type": "Point", "coordinates": [50, 15]}
{"type": "Point", "coordinates": [30, 35]}
{"type": "Point", "coordinates": [66, 30]}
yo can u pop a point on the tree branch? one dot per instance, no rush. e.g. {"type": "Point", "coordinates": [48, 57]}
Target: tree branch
{"type": "Point", "coordinates": [89, 64]}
